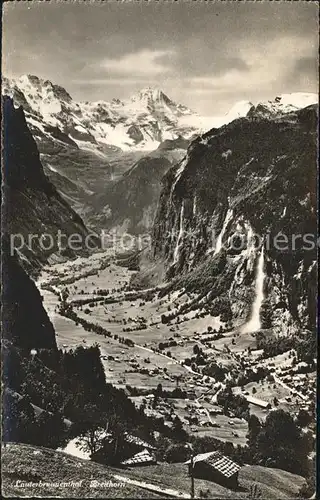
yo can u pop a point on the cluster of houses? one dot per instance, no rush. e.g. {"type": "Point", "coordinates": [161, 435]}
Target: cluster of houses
{"type": "Point", "coordinates": [126, 450]}
{"type": "Point", "coordinates": [136, 452]}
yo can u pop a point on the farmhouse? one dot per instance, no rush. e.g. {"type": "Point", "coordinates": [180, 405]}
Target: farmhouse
{"type": "Point", "coordinates": [136, 441]}
{"type": "Point", "coordinates": [215, 467]}
{"type": "Point", "coordinates": [143, 457]}
{"type": "Point", "coordinates": [116, 450]}
{"type": "Point", "coordinates": [191, 394]}
{"type": "Point", "coordinates": [258, 402]}
{"type": "Point", "coordinates": [216, 411]}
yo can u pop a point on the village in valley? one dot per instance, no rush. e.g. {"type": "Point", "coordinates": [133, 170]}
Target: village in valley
{"type": "Point", "coordinates": [159, 250]}
{"type": "Point", "coordinates": [200, 376]}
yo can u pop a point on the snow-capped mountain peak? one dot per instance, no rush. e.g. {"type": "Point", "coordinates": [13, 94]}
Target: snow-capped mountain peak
{"type": "Point", "coordinates": [32, 83]}
{"type": "Point", "coordinates": [297, 99]}
{"type": "Point", "coordinates": [239, 110]}
{"type": "Point", "coordinates": [148, 93]}
{"type": "Point", "coordinates": [155, 100]}
{"type": "Point", "coordinates": [284, 103]}
{"type": "Point", "coordinates": [142, 121]}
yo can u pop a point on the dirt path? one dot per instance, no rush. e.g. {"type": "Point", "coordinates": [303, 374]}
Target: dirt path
{"type": "Point", "coordinates": [291, 389]}
{"type": "Point", "coordinates": [168, 492]}
{"type": "Point", "coordinates": [170, 359]}
{"type": "Point", "coordinates": [205, 410]}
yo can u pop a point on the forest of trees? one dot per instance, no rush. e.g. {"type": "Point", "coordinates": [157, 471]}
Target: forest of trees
{"type": "Point", "coordinates": [46, 388]}
{"type": "Point", "coordinates": [280, 442]}
{"type": "Point", "coordinates": [51, 397]}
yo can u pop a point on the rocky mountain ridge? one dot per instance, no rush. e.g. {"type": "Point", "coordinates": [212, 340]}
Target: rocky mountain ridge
{"type": "Point", "coordinates": [255, 177]}
{"type": "Point", "coordinates": [141, 122]}
{"type": "Point", "coordinates": [86, 147]}
{"type": "Point", "coordinates": [128, 204]}
{"type": "Point", "coordinates": [33, 211]}
{"type": "Point", "coordinates": [24, 319]}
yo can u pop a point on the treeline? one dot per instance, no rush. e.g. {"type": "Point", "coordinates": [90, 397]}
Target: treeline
{"type": "Point", "coordinates": [305, 346]}
{"type": "Point", "coordinates": [46, 388]}
{"type": "Point", "coordinates": [279, 442]}
{"type": "Point", "coordinates": [176, 393]}
{"type": "Point", "coordinates": [67, 311]}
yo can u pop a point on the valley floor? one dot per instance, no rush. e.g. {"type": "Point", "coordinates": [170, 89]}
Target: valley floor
{"type": "Point", "coordinates": [98, 290]}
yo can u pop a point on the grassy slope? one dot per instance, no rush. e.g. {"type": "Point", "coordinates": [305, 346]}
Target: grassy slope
{"type": "Point", "coordinates": [274, 484]}
{"type": "Point", "coordinates": [29, 463]}
{"type": "Point", "coordinates": [33, 464]}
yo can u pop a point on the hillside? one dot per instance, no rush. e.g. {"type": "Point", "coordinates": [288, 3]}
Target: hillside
{"type": "Point", "coordinates": [84, 166]}
{"type": "Point", "coordinates": [32, 464]}
{"type": "Point", "coordinates": [130, 203]}
{"type": "Point", "coordinates": [213, 210]}
{"type": "Point", "coordinates": [141, 122]}
{"type": "Point", "coordinates": [25, 321]}
{"type": "Point", "coordinates": [32, 205]}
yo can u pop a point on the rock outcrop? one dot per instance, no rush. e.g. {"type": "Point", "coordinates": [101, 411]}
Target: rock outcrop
{"type": "Point", "coordinates": [253, 178]}
{"type": "Point", "coordinates": [25, 322]}
{"type": "Point", "coordinates": [34, 213]}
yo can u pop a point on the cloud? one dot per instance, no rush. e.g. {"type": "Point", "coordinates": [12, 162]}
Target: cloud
{"type": "Point", "coordinates": [196, 57]}
{"type": "Point", "coordinates": [304, 73]}
{"type": "Point", "coordinates": [206, 55]}
{"type": "Point", "coordinates": [267, 66]}
{"type": "Point", "coordinates": [108, 81]}
{"type": "Point", "coordinates": [144, 62]}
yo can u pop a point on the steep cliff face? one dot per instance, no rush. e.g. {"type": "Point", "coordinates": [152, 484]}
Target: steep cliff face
{"type": "Point", "coordinates": [254, 176]}
{"type": "Point", "coordinates": [33, 209]}
{"type": "Point", "coordinates": [25, 322]}
{"type": "Point", "coordinates": [131, 202]}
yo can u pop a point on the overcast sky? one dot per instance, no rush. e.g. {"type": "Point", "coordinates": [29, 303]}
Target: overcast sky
{"type": "Point", "coordinates": [207, 55]}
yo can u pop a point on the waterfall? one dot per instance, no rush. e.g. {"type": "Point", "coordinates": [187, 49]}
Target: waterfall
{"type": "Point", "coordinates": [226, 221]}
{"type": "Point", "coordinates": [178, 174]}
{"type": "Point", "coordinates": [255, 324]}
{"type": "Point", "coordinates": [194, 208]}
{"type": "Point", "coordinates": [236, 276]}
{"type": "Point", "coordinates": [177, 247]}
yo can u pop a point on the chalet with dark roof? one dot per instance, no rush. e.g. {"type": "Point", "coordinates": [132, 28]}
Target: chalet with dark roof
{"type": "Point", "coordinates": [144, 457]}
{"type": "Point", "coordinates": [215, 467]}
{"type": "Point", "coordinates": [117, 449]}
